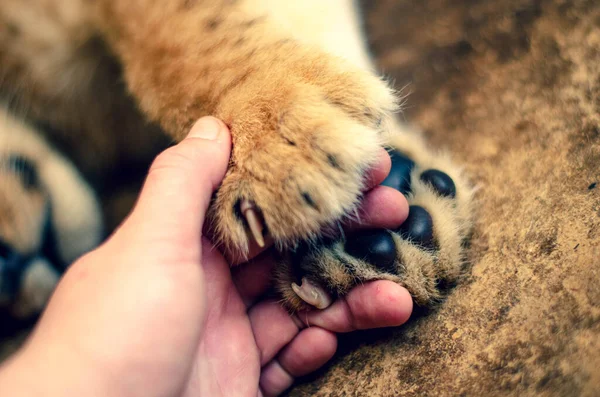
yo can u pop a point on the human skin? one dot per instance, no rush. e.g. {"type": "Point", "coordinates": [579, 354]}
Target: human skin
{"type": "Point", "coordinates": [157, 311]}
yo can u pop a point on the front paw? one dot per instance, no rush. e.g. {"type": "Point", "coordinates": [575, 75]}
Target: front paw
{"type": "Point", "coordinates": [424, 254]}
{"type": "Point", "coordinates": [302, 144]}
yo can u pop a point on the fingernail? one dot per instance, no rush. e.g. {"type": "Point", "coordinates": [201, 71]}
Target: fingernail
{"type": "Point", "coordinates": [207, 128]}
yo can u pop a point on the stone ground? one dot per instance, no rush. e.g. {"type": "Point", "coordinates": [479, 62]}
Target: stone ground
{"type": "Point", "coordinates": [512, 88]}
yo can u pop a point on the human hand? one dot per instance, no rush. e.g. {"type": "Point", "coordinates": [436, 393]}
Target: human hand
{"type": "Point", "coordinates": [157, 311]}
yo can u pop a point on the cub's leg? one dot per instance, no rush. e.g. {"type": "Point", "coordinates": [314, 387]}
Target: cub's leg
{"type": "Point", "coordinates": [306, 124]}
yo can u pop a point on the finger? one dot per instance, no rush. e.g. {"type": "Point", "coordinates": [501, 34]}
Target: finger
{"type": "Point", "coordinates": [379, 171]}
{"type": "Point", "coordinates": [382, 207]}
{"type": "Point", "coordinates": [181, 180]}
{"type": "Point", "coordinates": [273, 328]}
{"type": "Point", "coordinates": [309, 351]}
{"type": "Point", "coordinates": [373, 305]}
{"type": "Point", "coordinates": [312, 348]}
{"type": "Point", "coordinates": [217, 277]}
{"type": "Point", "coordinates": [254, 278]}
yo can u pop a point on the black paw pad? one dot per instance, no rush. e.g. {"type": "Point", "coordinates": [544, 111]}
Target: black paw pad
{"type": "Point", "coordinates": [375, 247]}
{"type": "Point", "coordinates": [11, 271]}
{"type": "Point", "coordinates": [440, 181]}
{"type": "Point", "coordinates": [418, 227]}
{"type": "Point", "coordinates": [399, 176]}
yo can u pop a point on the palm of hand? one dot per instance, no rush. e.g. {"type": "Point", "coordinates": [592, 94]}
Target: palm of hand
{"type": "Point", "coordinates": [228, 359]}
{"type": "Point", "coordinates": [190, 327]}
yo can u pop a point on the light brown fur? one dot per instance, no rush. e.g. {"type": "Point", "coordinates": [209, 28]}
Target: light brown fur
{"type": "Point", "coordinates": [295, 105]}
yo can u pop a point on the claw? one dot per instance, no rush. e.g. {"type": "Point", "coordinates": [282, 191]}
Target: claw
{"type": "Point", "coordinates": [312, 294]}
{"type": "Point", "coordinates": [254, 222]}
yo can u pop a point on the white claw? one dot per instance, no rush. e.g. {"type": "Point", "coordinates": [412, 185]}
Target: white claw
{"type": "Point", "coordinates": [254, 222]}
{"type": "Point", "coordinates": [312, 294]}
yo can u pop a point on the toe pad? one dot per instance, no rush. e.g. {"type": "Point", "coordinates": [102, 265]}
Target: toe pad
{"type": "Point", "coordinates": [376, 247]}
{"type": "Point", "coordinates": [399, 176]}
{"type": "Point", "coordinates": [418, 227]}
{"type": "Point", "coordinates": [440, 181]}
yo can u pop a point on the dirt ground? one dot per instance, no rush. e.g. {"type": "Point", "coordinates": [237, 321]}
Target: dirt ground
{"type": "Point", "coordinates": [512, 88]}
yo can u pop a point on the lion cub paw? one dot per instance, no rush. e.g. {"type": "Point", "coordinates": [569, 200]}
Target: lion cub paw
{"type": "Point", "coordinates": [424, 253]}
{"type": "Point", "coordinates": [302, 145]}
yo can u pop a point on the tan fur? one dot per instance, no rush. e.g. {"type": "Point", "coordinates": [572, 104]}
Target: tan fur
{"type": "Point", "coordinates": [21, 222]}
{"type": "Point", "coordinates": [21, 210]}
{"type": "Point", "coordinates": [294, 104]}
{"type": "Point", "coordinates": [333, 25]}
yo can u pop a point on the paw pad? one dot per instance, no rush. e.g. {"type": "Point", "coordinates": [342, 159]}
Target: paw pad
{"type": "Point", "coordinates": [440, 181]}
{"type": "Point", "coordinates": [411, 254]}
{"type": "Point", "coordinates": [418, 227]}
{"type": "Point", "coordinates": [11, 270]}
{"type": "Point", "coordinates": [375, 247]}
{"type": "Point", "coordinates": [399, 176]}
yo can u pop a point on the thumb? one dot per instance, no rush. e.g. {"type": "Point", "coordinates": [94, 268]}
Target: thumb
{"type": "Point", "coordinates": [180, 183]}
